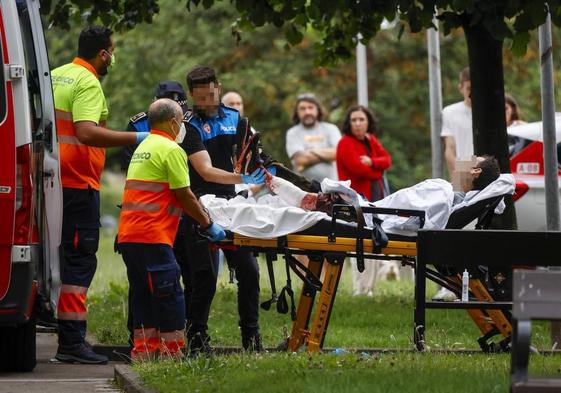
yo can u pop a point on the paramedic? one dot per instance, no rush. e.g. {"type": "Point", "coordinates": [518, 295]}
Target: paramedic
{"type": "Point", "coordinates": [156, 193]}
{"type": "Point", "coordinates": [81, 115]}
{"type": "Point", "coordinates": [139, 122]}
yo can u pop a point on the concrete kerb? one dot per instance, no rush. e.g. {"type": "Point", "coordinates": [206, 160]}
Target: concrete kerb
{"type": "Point", "coordinates": [129, 381]}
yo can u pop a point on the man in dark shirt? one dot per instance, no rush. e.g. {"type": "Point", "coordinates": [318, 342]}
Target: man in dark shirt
{"type": "Point", "coordinates": [210, 144]}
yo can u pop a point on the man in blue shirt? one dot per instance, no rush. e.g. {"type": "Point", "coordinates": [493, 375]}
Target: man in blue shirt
{"type": "Point", "coordinates": [210, 144]}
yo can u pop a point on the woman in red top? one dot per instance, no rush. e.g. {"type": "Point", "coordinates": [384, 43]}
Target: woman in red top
{"type": "Point", "coordinates": [361, 158]}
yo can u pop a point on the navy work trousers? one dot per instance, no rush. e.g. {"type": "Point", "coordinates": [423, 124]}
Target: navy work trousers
{"type": "Point", "coordinates": [80, 240]}
{"type": "Point", "coordinates": [199, 269]}
{"type": "Point", "coordinates": [156, 296]}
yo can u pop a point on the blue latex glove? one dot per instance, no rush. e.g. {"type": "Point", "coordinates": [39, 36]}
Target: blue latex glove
{"type": "Point", "coordinates": [256, 177]}
{"type": "Point", "coordinates": [215, 233]}
{"type": "Point", "coordinates": [140, 136]}
{"type": "Point", "coordinates": [272, 170]}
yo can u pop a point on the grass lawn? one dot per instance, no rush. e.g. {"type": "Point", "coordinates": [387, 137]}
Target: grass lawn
{"type": "Point", "coordinates": [398, 372]}
{"type": "Point", "coordinates": [382, 321]}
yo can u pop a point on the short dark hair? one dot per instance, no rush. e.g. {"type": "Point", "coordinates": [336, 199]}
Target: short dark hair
{"type": "Point", "coordinates": [490, 171]}
{"type": "Point", "coordinates": [92, 40]}
{"type": "Point", "coordinates": [464, 75]}
{"type": "Point", "coordinates": [200, 75]}
{"type": "Point", "coordinates": [372, 120]}
{"type": "Point", "coordinates": [307, 97]}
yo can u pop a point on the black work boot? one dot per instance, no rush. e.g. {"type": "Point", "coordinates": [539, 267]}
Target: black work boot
{"type": "Point", "coordinates": [252, 342]}
{"type": "Point", "coordinates": [79, 353]}
{"type": "Point", "coordinates": [199, 344]}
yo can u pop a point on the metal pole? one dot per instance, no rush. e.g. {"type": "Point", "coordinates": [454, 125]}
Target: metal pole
{"type": "Point", "coordinates": [548, 120]}
{"type": "Point", "coordinates": [435, 98]}
{"type": "Point", "coordinates": [361, 74]}
{"type": "Point", "coordinates": [549, 144]}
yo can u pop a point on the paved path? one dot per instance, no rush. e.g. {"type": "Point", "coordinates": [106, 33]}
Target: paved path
{"type": "Point", "coordinates": [51, 376]}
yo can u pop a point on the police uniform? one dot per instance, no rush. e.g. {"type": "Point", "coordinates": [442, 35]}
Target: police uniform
{"type": "Point", "coordinates": [147, 227]}
{"type": "Point", "coordinates": [199, 265]}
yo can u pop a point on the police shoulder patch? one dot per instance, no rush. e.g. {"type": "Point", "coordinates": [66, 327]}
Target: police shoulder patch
{"type": "Point", "coordinates": [138, 116]}
{"type": "Point", "coordinates": [188, 116]}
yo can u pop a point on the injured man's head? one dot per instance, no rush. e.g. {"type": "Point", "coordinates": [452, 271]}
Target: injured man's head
{"type": "Point", "coordinates": [476, 174]}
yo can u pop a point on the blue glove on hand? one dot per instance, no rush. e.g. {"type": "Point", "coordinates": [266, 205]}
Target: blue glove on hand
{"type": "Point", "coordinates": [272, 170]}
{"type": "Point", "coordinates": [256, 177]}
{"type": "Point", "coordinates": [140, 136]}
{"type": "Point", "coordinates": [215, 233]}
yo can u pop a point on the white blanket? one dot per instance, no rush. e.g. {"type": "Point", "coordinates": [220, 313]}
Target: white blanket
{"type": "Point", "coordinates": [269, 218]}
{"type": "Point", "coordinates": [433, 196]}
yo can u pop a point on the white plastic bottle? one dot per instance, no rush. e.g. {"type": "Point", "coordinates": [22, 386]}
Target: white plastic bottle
{"type": "Point", "coordinates": [465, 286]}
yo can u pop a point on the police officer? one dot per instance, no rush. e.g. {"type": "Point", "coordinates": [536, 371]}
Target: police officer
{"type": "Point", "coordinates": [139, 122]}
{"type": "Point", "coordinates": [81, 116]}
{"type": "Point", "coordinates": [209, 143]}
{"type": "Point", "coordinates": [156, 192]}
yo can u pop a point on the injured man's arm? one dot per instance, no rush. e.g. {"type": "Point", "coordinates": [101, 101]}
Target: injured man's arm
{"type": "Point", "coordinates": [294, 196]}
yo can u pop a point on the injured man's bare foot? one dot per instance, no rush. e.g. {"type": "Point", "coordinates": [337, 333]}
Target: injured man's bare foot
{"type": "Point", "coordinates": [294, 196]}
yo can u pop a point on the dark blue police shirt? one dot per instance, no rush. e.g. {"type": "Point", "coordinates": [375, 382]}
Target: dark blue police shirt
{"type": "Point", "coordinates": [216, 135]}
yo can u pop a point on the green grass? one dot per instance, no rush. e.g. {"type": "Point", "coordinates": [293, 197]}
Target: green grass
{"type": "Point", "coordinates": [382, 321]}
{"type": "Point", "coordinates": [397, 372]}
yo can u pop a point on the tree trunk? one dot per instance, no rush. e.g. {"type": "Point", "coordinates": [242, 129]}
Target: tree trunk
{"type": "Point", "coordinates": [488, 105]}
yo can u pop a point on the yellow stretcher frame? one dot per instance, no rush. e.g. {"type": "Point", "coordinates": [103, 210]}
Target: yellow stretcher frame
{"type": "Point", "coordinates": [338, 249]}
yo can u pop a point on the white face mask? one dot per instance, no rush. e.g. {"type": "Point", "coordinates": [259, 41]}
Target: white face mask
{"type": "Point", "coordinates": [181, 134]}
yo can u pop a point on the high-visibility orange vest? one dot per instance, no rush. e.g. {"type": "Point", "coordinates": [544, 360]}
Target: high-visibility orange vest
{"type": "Point", "coordinates": [150, 211]}
{"type": "Point", "coordinates": [78, 97]}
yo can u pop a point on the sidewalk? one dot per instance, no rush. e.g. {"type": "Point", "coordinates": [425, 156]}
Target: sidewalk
{"type": "Point", "coordinates": [53, 377]}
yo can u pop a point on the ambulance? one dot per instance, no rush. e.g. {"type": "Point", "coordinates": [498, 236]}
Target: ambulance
{"type": "Point", "coordinates": [30, 189]}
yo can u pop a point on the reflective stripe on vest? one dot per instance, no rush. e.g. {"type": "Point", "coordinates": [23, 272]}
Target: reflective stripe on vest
{"type": "Point", "coordinates": [141, 207]}
{"type": "Point", "coordinates": [144, 186]}
{"type": "Point", "coordinates": [149, 214]}
{"type": "Point", "coordinates": [81, 165]}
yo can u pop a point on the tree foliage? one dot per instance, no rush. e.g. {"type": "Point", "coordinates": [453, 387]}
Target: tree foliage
{"type": "Point", "coordinates": [269, 77]}
{"type": "Point", "coordinates": [337, 23]}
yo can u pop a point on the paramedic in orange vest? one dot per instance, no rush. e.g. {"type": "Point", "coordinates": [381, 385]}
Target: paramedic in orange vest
{"type": "Point", "coordinates": [81, 115]}
{"type": "Point", "coordinates": [156, 193]}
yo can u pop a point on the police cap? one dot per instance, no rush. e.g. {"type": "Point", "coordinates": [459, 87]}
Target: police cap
{"type": "Point", "coordinates": [172, 90]}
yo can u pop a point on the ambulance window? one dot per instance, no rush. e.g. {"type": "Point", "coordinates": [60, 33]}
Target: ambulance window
{"type": "Point", "coordinates": [30, 66]}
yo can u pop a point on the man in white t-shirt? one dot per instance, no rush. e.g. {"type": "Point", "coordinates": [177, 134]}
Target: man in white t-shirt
{"type": "Point", "coordinates": [458, 141]}
{"type": "Point", "coordinates": [457, 126]}
{"type": "Point", "coordinates": [311, 143]}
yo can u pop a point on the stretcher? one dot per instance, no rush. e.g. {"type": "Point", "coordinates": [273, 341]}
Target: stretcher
{"type": "Point", "coordinates": [329, 242]}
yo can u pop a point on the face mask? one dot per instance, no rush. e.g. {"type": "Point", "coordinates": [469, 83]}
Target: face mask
{"type": "Point", "coordinates": [112, 62]}
{"type": "Point", "coordinates": [103, 71]}
{"type": "Point", "coordinates": [182, 132]}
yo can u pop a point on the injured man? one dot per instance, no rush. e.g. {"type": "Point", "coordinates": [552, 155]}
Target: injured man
{"type": "Point", "coordinates": [288, 209]}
